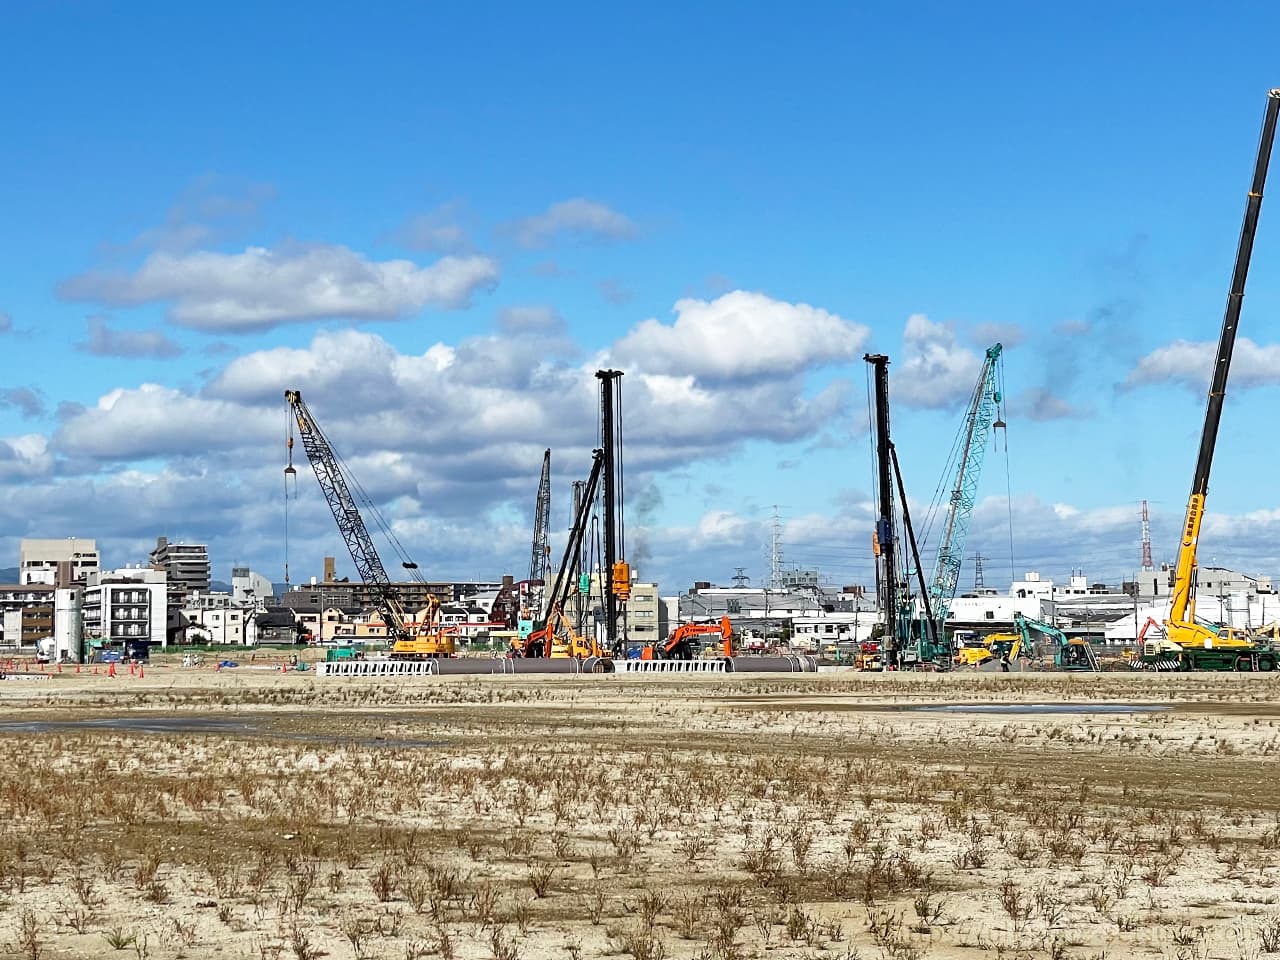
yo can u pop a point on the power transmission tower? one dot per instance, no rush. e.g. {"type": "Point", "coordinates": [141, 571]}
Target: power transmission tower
{"type": "Point", "coordinates": [740, 578]}
{"type": "Point", "coordinates": [977, 571]}
{"type": "Point", "coordinates": [1146, 539]}
{"type": "Point", "coordinates": [775, 554]}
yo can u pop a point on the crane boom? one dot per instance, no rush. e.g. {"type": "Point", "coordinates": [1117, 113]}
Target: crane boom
{"type": "Point", "coordinates": [540, 558]}
{"type": "Point", "coordinates": [1181, 627]}
{"type": "Point", "coordinates": [981, 417]}
{"type": "Point", "coordinates": [345, 512]}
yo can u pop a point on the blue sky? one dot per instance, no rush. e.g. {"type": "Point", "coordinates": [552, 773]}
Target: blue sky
{"type": "Point", "coordinates": [436, 220]}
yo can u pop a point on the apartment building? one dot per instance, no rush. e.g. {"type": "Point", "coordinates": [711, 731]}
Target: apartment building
{"type": "Point", "coordinates": [127, 604]}
{"type": "Point", "coordinates": [26, 613]}
{"type": "Point", "coordinates": [57, 563]}
{"type": "Point", "coordinates": [186, 566]}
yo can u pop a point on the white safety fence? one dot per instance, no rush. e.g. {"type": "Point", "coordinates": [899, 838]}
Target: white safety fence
{"type": "Point", "coordinates": [668, 666]}
{"type": "Point", "coordinates": [378, 668]}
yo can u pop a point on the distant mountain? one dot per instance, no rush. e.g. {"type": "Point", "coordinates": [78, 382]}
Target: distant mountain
{"type": "Point", "coordinates": [8, 574]}
{"type": "Point", "coordinates": [219, 586]}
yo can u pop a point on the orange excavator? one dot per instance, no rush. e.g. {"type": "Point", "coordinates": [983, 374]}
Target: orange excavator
{"type": "Point", "coordinates": [678, 646]}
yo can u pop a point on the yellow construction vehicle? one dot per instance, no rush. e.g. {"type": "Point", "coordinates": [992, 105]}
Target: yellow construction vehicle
{"type": "Point", "coordinates": [991, 647]}
{"type": "Point", "coordinates": [1188, 644]}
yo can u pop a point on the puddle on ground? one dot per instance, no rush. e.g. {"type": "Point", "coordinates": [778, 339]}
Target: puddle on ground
{"type": "Point", "coordinates": [238, 726]}
{"type": "Point", "coordinates": [1041, 708]}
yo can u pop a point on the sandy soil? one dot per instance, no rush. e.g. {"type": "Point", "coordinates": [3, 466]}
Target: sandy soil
{"type": "Point", "coordinates": [253, 813]}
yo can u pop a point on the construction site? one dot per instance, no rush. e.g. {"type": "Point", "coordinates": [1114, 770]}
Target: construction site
{"type": "Point", "coordinates": [604, 782]}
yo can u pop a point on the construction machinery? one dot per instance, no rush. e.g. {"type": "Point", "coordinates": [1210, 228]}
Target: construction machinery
{"type": "Point", "coordinates": [1188, 644]}
{"type": "Point", "coordinates": [989, 648]}
{"type": "Point", "coordinates": [557, 636]}
{"type": "Point", "coordinates": [415, 638]}
{"type": "Point", "coordinates": [540, 554]}
{"type": "Point", "coordinates": [981, 417]}
{"type": "Point", "coordinates": [680, 646]}
{"type": "Point", "coordinates": [1069, 653]}
{"type": "Point", "coordinates": [894, 595]}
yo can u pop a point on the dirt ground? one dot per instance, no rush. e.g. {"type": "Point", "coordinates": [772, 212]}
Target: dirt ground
{"type": "Point", "coordinates": [259, 814]}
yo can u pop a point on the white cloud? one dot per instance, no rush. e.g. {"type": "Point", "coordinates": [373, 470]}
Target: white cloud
{"type": "Point", "coordinates": [578, 218]}
{"type": "Point", "coordinates": [261, 288]}
{"type": "Point", "coordinates": [1190, 363]}
{"type": "Point", "coordinates": [740, 335]}
{"type": "Point", "coordinates": [156, 421]}
{"type": "Point", "coordinates": [937, 371]}
{"type": "Point", "coordinates": [103, 341]}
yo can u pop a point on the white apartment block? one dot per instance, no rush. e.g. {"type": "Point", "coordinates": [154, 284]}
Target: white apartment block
{"type": "Point", "coordinates": [39, 560]}
{"type": "Point", "coordinates": [127, 604]}
{"type": "Point", "coordinates": [250, 587]}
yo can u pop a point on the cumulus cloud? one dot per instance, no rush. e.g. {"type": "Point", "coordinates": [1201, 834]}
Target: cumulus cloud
{"type": "Point", "coordinates": [261, 288]}
{"type": "Point", "coordinates": [448, 440]}
{"type": "Point", "coordinates": [26, 400]}
{"type": "Point", "coordinates": [937, 371]}
{"type": "Point", "coordinates": [24, 458]}
{"type": "Point", "coordinates": [740, 336]}
{"type": "Point", "coordinates": [156, 421]}
{"type": "Point", "coordinates": [579, 219]}
{"type": "Point", "coordinates": [103, 341]}
{"type": "Point", "coordinates": [1190, 364]}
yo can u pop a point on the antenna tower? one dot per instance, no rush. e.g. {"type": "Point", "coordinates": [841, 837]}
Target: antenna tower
{"type": "Point", "coordinates": [1146, 539]}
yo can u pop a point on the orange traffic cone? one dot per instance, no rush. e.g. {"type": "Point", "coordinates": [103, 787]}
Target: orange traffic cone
{"type": "Point", "coordinates": [142, 671]}
{"type": "Point", "coordinates": [111, 669]}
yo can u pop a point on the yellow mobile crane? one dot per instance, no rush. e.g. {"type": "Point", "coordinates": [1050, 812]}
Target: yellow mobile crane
{"type": "Point", "coordinates": [411, 639]}
{"type": "Point", "coordinates": [1187, 644]}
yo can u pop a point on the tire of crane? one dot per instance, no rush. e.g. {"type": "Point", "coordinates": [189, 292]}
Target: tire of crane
{"type": "Point", "coordinates": [1244, 664]}
{"type": "Point", "coordinates": [1266, 664]}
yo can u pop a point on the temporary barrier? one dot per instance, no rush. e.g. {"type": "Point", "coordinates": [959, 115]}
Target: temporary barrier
{"type": "Point", "coordinates": [378, 668]}
{"type": "Point", "coordinates": [670, 666]}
